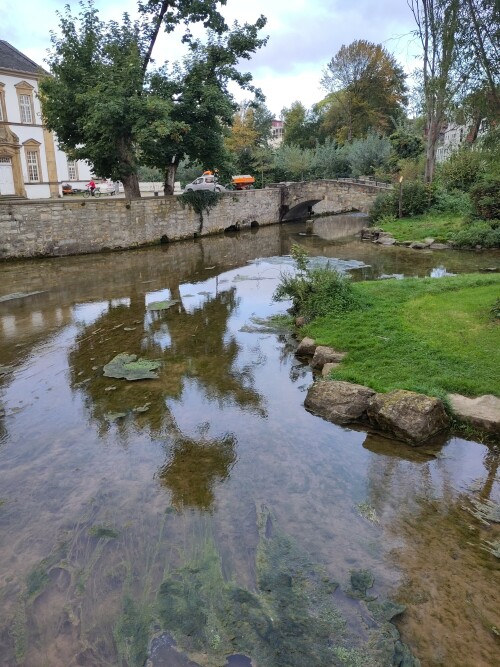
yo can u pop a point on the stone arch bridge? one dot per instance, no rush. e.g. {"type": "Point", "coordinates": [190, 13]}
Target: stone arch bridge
{"type": "Point", "coordinates": [300, 199]}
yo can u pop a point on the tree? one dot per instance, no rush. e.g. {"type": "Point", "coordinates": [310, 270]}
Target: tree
{"type": "Point", "coordinates": [479, 40]}
{"type": "Point", "coordinates": [202, 107]}
{"type": "Point", "coordinates": [366, 88]}
{"type": "Point", "coordinates": [249, 135]}
{"type": "Point", "coordinates": [292, 162]}
{"type": "Point", "coordinates": [300, 127]}
{"type": "Point", "coordinates": [437, 26]}
{"type": "Point", "coordinates": [105, 104]}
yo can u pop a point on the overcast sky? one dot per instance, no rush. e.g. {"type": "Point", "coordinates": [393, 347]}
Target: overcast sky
{"type": "Point", "coordinates": [303, 37]}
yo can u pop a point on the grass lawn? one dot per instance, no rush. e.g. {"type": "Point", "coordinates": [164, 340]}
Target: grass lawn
{"type": "Point", "coordinates": [437, 226]}
{"type": "Point", "coordinates": [428, 335]}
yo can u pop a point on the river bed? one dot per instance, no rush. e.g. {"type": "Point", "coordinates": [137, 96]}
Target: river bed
{"type": "Point", "coordinates": [205, 517]}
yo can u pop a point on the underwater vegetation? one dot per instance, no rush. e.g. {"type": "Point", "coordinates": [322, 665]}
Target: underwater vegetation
{"type": "Point", "coordinates": [292, 618]}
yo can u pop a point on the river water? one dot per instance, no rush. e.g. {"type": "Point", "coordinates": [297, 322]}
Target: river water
{"type": "Point", "coordinates": [204, 517]}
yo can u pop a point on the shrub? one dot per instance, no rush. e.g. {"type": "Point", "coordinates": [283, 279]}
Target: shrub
{"type": "Point", "coordinates": [462, 170]}
{"type": "Point", "coordinates": [451, 202]}
{"type": "Point", "coordinates": [417, 198]}
{"type": "Point", "coordinates": [383, 206]}
{"type": "Point", "coordinates": [365, 155]}
{"type": "Point", "coordinates": [314, 292]}
{"type": "Point", "coordinates": [479, 233]}
{"type": "Point", "coordinates": [486, 198]}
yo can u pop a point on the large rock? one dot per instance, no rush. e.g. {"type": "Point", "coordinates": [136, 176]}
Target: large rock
{"type": "Point", "coordinates": [407, 415]}
{"type": "Point", "coordinates": [482, 412]}
{"type": "Point", "coordinates": [306, 348]}
{"type": "Point", "coordinates": [339, 402]}
{"type": "Point", "coordinates": [326, 355]}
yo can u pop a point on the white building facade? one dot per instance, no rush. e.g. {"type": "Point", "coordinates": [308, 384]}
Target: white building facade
{"type": "Point", "coordinates": [31, 164]}
{"type": "Point", "coordinates": [455, 136]}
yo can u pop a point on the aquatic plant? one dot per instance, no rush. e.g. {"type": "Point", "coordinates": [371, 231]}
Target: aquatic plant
{"type": "Point", "coordinates": [129, 367]}
{"type": "Point", "coordinates": [160, 305]}
{"type": "Point", "coordinates": [314, 291]}
{"type": "Point", "coordinates": [132, 632]}
{"type": "Point", "coordinates": [103, 531]}
{"type": "Point", "coordinates": [368, 512]}
{"type": "Point", "coordinates": [485, 510]}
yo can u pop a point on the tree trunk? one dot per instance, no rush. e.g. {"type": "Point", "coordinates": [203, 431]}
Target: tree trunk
{"type": "Point", "coordinates": [131, 186]}
{"type": "Point", "coordinates": [430, 151]}
{"type": "Point", "coordinates": [170, 172]}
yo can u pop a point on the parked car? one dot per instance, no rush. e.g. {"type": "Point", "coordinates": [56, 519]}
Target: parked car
{"type": "Point", "coordinates": [205, 183]}
{"type": "Point", "coordinates": [106, 187]}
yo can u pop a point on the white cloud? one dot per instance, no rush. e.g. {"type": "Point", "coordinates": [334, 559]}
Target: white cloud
{"type": "Point", "coordinates": [303, 36]}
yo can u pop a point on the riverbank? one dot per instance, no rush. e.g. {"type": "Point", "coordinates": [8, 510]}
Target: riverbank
{"type": "Point", "coordinates": [455, 229]}
{"type": "Point", "coordinates": [432, 336]}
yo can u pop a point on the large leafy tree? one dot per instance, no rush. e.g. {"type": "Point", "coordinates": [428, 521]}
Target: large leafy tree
{"type": "Point", "coordinates": [300, 126]}
{"type": "Point", "coordinates": [366, 89]}
{"type": "Point", "coordinates": [437, 26]}
{"type": "Point", "coordinates": [248, 138]}
{"type": "Point", "coordinates": [107, 106]}
{"type": "Point", "coordinates": [201, 105]}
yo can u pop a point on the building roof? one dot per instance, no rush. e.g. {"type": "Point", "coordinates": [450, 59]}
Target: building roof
{"type": "Point", "coordinates": [11, 58]}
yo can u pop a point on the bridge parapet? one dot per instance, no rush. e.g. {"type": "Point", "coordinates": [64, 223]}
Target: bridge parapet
{"type": "Point", "coordinates": [299, 199]}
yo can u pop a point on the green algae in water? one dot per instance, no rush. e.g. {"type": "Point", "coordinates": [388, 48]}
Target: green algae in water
{"type": "Point", "coordinates": [129, 367]}
{"type": "Point", "coordinates": [368, 512]}
{"type": "Point", "coordinates": [361, 580]}
{"type": "Point", "coordinates": [162, 305]}
{"type": "Point", "coordinates": [290, 619]}
{"type": "Point", "coordinates": [132, 632]}
{"type": "Point", "coordinates": [103, 531]}
{"type": "Point", "coordinates": [38, 578]}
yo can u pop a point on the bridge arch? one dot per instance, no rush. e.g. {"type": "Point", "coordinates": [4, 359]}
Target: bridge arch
{"type": "Point", "coordinates": [299, 211]}
{"type": "Point", "coordinates": [327, 196]}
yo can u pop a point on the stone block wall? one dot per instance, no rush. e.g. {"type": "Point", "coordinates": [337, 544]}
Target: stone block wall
{"type": "Point", "coordinates": [57, 228]}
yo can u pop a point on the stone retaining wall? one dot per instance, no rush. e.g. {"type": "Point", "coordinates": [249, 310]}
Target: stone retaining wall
{"type": "Point", "coordinates": [56, 228]}
{"type": "Point", "coordinates": [35, 228]}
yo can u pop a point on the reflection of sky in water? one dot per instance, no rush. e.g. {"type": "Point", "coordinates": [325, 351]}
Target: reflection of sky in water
{"type": "Point", "coordinates": [162, 338]}
{"type": "Point", "coordinates": [158, 295]}
{"type": "Point", "coordinates": [86, 313]}
{"type": "Point", "coordinates": [336, 263]}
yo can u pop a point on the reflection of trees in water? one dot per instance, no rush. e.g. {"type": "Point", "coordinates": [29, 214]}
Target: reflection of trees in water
{"type": "Point", "coordinates": [194, 468]}
{"type": "Point", "coordinates": [448, 579]}
{"type": "Point", "coordinates": [192, 344]}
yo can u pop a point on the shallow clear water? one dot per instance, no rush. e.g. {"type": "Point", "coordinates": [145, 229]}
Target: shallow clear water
{"type": "Point", "coordinates": [111, 489]}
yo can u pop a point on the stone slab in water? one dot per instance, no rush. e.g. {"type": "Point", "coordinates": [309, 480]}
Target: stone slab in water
{"type": "Point", "coordinates": [483, 411]}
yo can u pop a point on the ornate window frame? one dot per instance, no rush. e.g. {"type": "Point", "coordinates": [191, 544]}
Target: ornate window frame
{"type": "Point", "coordinates": [32, 157]}
{"type": "Point", "coordinates": [25, 90]}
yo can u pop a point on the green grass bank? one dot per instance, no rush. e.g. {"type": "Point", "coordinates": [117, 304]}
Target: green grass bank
{"type": "Point", "coordinates": [455, 228]}
{"type": "Point", "coordinates": [433, 336]}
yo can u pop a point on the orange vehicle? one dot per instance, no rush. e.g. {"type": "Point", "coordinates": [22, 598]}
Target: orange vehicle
{"type": "Point", "coordinates": [243, 182]}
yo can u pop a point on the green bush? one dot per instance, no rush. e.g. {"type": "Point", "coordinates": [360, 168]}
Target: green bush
{"type": "Point", "coordinates": [486, 198]}
{"type": "Point", "coordinates": [462, 169]}
{"type": "Point", "coordinates": [451, 202]}
{"type": "Point", "coordinates": [417, 198]}
{"type": "Point", "coordinates": [314, 292]}
{"type": "Point", "coordinates": [479, 233]}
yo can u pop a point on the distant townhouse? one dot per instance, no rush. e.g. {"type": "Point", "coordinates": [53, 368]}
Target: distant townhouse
{"type": "Point", "coordinates": [277, 131]}
{"type": "Point", "coordinates": [31, 164]}
{"type": "Point", "coordinates": [455, 135]}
